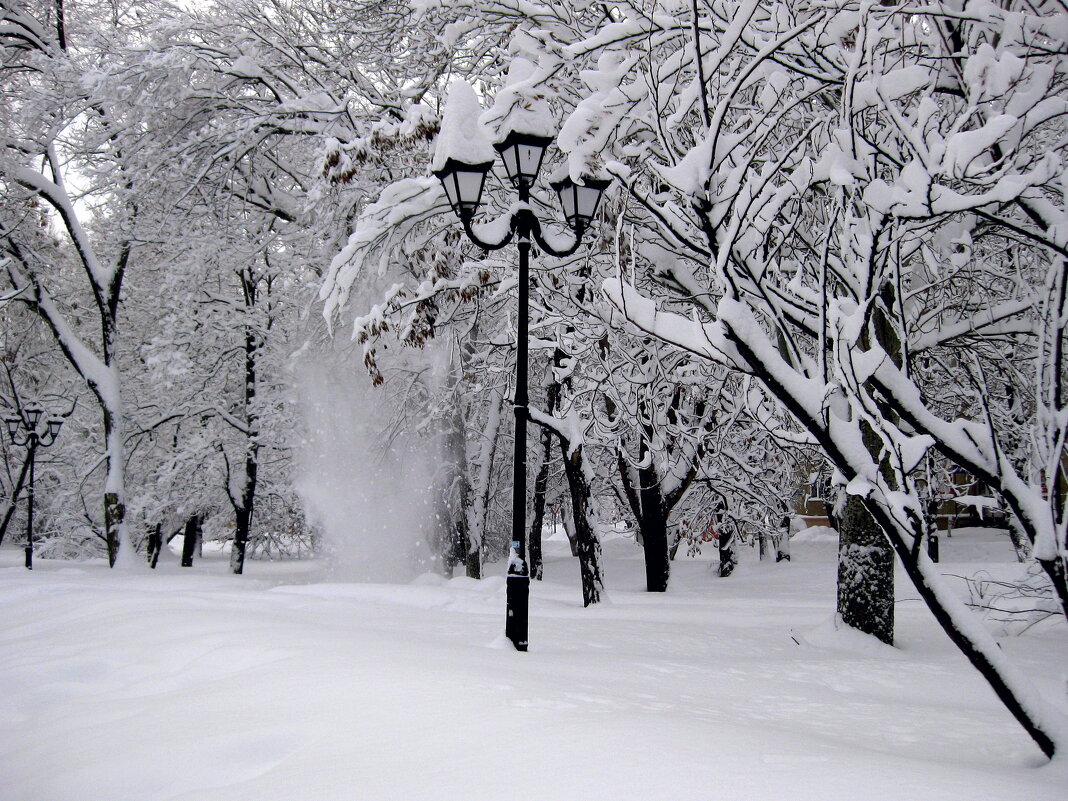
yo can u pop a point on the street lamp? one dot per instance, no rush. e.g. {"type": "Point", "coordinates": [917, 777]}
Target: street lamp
{"type": "Point", "coordinates": [522, 155]}
{"type": "Point", "coordinates": [23, 427]}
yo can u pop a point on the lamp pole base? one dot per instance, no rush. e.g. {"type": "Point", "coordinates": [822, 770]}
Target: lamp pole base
{"type": "Point", "coordinates": [518, 606]}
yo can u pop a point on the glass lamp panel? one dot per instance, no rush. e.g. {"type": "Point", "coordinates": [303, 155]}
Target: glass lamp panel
{"type": "Point", "coordinates": [53, 427]}
{"type": "Point", "coordinates": [566, 191]}
{"type": "Point", "coordinates": [33, 416]}
{"type": "Point", "coordinates": [463, 184]}
{"type": "Point", "coordinates": [451, 192]}
{"type": "Point", "coordinates": [530, 157]}
{"type": "Point", "coordinates": [12, 424]}
{"type": "Point", "coordinates": [586, 201]}
{"type": "Point", "coordinates": [511, 165]}
{"type": "Point", "coordinates": [469, 187]}
{"type": "Point", "coordinates": [522, 154]}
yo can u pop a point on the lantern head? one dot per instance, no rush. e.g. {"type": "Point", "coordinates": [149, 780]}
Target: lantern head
{"type": "Point", "coordinates": [33, 416]}
{"type": "Point", "coordinates": [580, 201]}
{"type": "Point", "coordinates": [522, 155]}
{"type": "Point", "coordinates": [463, 185]}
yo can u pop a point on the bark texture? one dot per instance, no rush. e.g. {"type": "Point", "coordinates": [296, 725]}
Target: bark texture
{"type": "Point", "coordinates": [865, 573]}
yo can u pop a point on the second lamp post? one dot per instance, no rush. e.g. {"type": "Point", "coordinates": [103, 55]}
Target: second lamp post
{"type": "Point", "coordinates": [22, 429]}
{"type": "Point", "coordinates": [522, 155]}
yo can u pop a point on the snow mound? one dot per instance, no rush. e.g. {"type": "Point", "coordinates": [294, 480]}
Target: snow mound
{"type": "Point", "coordinates": [815, 534]}
{"type": "Point", "coordinates": [834, 635]}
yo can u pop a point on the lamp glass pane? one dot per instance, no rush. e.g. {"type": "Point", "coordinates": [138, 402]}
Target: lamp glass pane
{"type": "Point", "coordinates": [449, 183]}
{"type": "Point", "coordinates": [33, 416]}
{"type": "Point", "coordinates": [12, 424]}
{"type": "Point", "coordinates": [587, 200]}
{"type": "Point", "coordinates": [567, 200]}
{"type": "Point", "coordinates": [53, 427]}
{"type": "Point", "coordinates": [469, 186]}
{"type": "Point", "coordinates": [508, 155]}
{"type": "Point", "coordinates": [530, 161]}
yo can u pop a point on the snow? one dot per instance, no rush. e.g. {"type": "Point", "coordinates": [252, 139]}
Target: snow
{"type": "Point", "coordinates": [521, 104]}
{"type": "Point", "coordinates": [196, 685]}
{"type": "Point", "coordinates": [462, 136]}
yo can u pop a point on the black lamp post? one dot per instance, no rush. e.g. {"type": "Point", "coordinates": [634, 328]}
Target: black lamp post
{"type": "Point", "coordinates": [522, 155]}
{"type": "Point", "coordinates": [23, 430]}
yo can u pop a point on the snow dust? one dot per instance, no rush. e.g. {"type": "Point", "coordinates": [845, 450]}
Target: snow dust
{"type": "Point", "coordinates": [366, 485]}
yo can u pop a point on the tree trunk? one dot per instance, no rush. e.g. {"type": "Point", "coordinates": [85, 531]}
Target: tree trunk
{"type": "Point", "coordinates": [243, 506]}
{"type": "Point", "coordinates": [654, 528]}
{"type": "Point", "coordinates": [541, 483]}
{"type": "Point", "coordinates": [193, 533]}
{"type": "Point", "coordinates": [727, 559]}
{"type": "Point", "coordinates": [568, 523]}
{"type": "Point", "coordinates": [865, 553]}
{"type": "Point", "coordinates": [115, 483]}
{"type": "Point", "coordinates": [237, 553]}
{"type": "Point", "coordinates": [473, 565]}
{"type": "Point", "coordinates": [455, 496]}
{"type": "Point", "coordinates": [1019, 539]}
{"type": "Point", "coordinates": [1046, 725]}
{"type": "Point", "coordinates": [587, 544]}
{"type": "Point", "coordinates": [114, 523]}
{"type": "Point", "coordinates": [675, 543]}
{"type": "Point", "coordinates": [782, 546]}
{"type": "Point", "coordinates": [155, 545]}
{"type": "Point", "coordinates": [865, 573]}
{"type": "Point", "coordinates": [114, 428]}
{"type": "Point", "coordinates": [642, 489]}
{"type": "Point", "coordinates": [479, 511]}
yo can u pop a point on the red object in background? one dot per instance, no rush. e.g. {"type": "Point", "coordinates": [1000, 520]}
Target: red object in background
{"type": "Point", "coordinates": [710, 534]}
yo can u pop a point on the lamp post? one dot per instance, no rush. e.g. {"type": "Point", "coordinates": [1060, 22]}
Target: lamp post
{"type": "Point", "coordinates": [522, 155]}
{"type": "Point", "coordinates": [23, 427]}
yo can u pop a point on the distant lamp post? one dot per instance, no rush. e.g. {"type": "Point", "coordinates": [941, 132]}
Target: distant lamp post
{"type": "Point", "coordinates": [24, 429]}
{"type": "Point", "coordinates": [522, 155]}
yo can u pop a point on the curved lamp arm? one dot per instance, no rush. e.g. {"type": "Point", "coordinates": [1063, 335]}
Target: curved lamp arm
{"type": "Point", "coordinates": [48, 438]}
{"type": "Point", "coordinates": [535, 231]}
{"type": "Point", "coordinates": [525, 223]}
{"type": "Point", "coordinates": [21, 439]}
{"type": "Point", "coordinates": [22, 433]}
{"type": "Point", "coordinates": [513, 226]}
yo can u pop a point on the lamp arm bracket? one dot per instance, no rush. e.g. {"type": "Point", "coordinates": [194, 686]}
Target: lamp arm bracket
{"type": "Point", "coordinates": [21, 439]}
{"type": "Point", "coordinates": [535, 230]}
{"type": "Point", "coordinates": [489, 246]}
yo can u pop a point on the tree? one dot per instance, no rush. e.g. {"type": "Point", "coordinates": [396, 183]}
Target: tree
{"type": "Point", "coordinates": [69, 117]}
{"type": "Point", "coordinates": [814, 174]}
{"type": "Point", "coordinates": [834, 158]}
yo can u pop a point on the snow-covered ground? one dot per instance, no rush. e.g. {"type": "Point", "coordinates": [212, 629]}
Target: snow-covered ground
{"type": "Point", "coordinates": [196, 685]}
